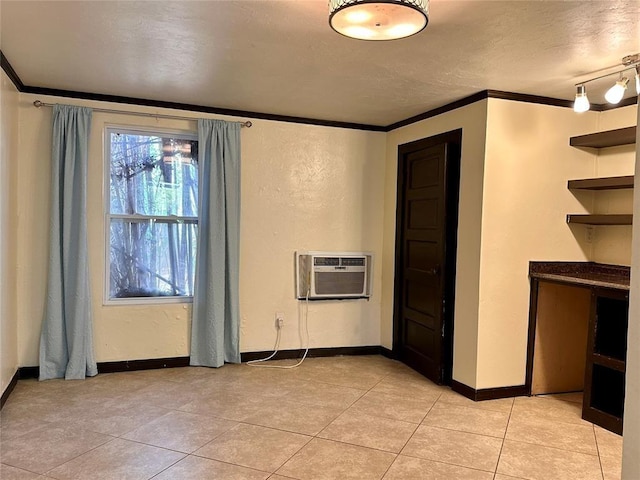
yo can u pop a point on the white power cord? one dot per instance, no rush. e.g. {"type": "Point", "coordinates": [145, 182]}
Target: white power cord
{"type": "Point", "coordinates": [256, 363]}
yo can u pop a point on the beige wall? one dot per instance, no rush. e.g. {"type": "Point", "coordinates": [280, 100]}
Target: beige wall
{"type": "Point", "coordinates": [8, 222]}
{"type": "Point", "coordinates": [527, 165]}
{"type": "Point", "coordinates": [319, 188]}
{"type": "Point", "coordinates": [303, 187]}
{"type": "Point", "coordinates": [472, 120]}
{"type": "Point", "coordinates": [613, 244]}
{"type": "Point", "coordinates": [631, 444]}
{"type": "Point", "coordinates": [516, 161]}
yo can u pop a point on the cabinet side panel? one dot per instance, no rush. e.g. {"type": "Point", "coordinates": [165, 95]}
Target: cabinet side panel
{"type": "Point", "coordinates": [562, 325]}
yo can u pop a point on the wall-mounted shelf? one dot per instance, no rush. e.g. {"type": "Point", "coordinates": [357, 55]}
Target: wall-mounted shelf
{"type": "Point", "coordinates": [612, 219]}
{"type": "Point", "coordinates": [610, 138]}
{"type": "Point", "coordinates": [605, 183]}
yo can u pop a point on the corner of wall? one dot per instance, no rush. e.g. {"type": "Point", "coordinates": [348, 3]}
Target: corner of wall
{"type": "Point", "coordinates": [8, 241]}
{"type": "Point", "coordinates": [473, 120]}
{"type": "Point", "coordinates": [631, 444]}
{"type": "Point", "coordinates": [528, 162]}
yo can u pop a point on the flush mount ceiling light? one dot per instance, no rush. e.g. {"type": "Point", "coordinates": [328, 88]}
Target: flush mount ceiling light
{"type": "Point", "coordinates": [615, 94]}
{"type": "Point", "coordinates": [378, 19]}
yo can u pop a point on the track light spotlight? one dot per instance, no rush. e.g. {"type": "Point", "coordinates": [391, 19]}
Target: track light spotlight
{"type": "Point", "coordinates": [581, 103]}
{"type": "Point", "coordinates": [615, 93]}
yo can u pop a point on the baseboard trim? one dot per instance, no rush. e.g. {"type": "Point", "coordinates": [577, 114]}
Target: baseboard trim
{"type": "Point", "coordinates": [385, 352]}
{"type": "Point", "coordinates": [173, 362]}
{"type": "Point", "coordinates": [488, 393]}
{"type": "Point", "coordinates": [28, 372]}
{"type": "Point", "coordinates": [463, 389]}
{"type": "Point", "coordinates": [9, 389]}
{"type": "Point", "coordinates": [502, 392]}
{"type": "Point", "coordinates": [147, 364]}
{"type": "Point", "coordinates": [314, 352]}
{"type": "Point", "coordinates": [121, 366]}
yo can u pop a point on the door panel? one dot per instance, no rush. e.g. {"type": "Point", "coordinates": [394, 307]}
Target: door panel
{"type": "Point", "coordinates": [419, 338]}
{"type": "Point", "coordinates": [424, 256]}
{"type": "Point", "coordinates": [423, 213]}
{"type": "Point", "coordinates": [424, 173]}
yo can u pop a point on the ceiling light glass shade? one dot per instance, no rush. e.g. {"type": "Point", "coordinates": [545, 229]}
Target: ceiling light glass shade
{"type": "Point", "coordinates": [581, 103]}
{"type": "Point", "coordinates": [378, 20]}
{"type": "Point", "coordinates": [615, 93]}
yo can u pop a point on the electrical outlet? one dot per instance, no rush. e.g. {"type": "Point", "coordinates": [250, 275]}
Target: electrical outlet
{"type": "Point", "coordinates": [590, 234]}
{"type": "Point", "coordinates": [279, 319]}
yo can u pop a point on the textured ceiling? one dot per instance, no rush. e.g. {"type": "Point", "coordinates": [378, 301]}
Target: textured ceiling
{"type": "Point", "coordinates": [281, 57]}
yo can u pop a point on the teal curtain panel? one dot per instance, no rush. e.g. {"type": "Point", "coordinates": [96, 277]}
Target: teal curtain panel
{"type": "Point", "coordinates": [215, 322]}
{"type": "Point", "coordinates": [66, 340]}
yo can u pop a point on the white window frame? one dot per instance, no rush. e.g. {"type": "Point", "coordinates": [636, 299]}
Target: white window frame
{"type": "Point", "coordinates": [106, 196]}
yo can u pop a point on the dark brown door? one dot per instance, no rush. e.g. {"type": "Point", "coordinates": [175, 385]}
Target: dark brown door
{"type": "Point", "coordinates": [428, 187]}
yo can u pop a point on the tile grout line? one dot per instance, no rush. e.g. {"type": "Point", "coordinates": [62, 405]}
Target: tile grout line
{"type": "Point", "coordinates": [462, 431]}
{"type": "Point", "coordinates": [366, 392]}
{"type": "Point", "coordinates": [169, 466]}
{"type": "Point", "coordinates": [78, 456]}
{"type": "Point", "coordinates": [562, 449]}
{"type": "Point", "coordinates": [449, 429]}
{"type": "Point", "coordinates": [447, 463]}
{"type": "Point", "coordinates": [340, 411]}
{"type": "Point", "coordinates": [495, 473]}
{"type": "Point", "coordinates": [595, 436]}
{"type": "Point", "coordinates": [411, 436]}
{"type": "Point", "coordinates": [194, 453]}
{"type": "Point", "coordinates": [23, 469]}
{"type": "Point", "coordinates": [222, 461]}
{"type": "Point", "coordinates": [314, 436]}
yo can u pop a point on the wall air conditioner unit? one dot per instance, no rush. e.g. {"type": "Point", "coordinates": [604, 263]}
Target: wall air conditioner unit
{"type": "Point", "coordinates": [333, 275]}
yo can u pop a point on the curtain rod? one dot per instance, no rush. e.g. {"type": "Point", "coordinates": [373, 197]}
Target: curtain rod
{"type": "Point", "coordinates": [39, 104]}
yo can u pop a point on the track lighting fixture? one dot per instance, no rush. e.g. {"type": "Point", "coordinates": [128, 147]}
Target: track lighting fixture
{"type": "Point", "coordinates": [615, 94]}
{"type": "Point", "coordinates": [582, 102]}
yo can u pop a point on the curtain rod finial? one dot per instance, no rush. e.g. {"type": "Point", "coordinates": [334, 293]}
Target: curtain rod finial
{"type": "Point", "coordinates": [38, 104]}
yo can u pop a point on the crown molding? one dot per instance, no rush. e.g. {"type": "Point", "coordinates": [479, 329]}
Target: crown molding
{"type": "Point", "coordinates": [11, 73]}
{"type": "Point", "coordinates": [476, 97]}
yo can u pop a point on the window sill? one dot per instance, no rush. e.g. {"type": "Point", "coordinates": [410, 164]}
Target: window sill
{"type": "Point", "coordinates": [146, 301]}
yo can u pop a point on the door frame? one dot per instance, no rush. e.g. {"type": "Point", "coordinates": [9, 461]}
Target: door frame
{"type": "Point", "coordinates": [453, 139]}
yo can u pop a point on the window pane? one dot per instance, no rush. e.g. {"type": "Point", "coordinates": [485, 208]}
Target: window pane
{"type": "Point", "coordinates": [151, 259]}
{"type": "Point", "coordinates": [153, 175]}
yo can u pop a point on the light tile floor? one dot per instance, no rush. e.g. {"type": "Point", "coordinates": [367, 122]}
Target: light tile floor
{"type": "Point", "coordinates": [332, 418]}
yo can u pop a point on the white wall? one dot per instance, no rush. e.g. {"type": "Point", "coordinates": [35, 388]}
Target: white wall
{"type": "Point", "coordinates": [303, 187]}
{"type": "Point", "coordinates": [8, 221]}
{"type": "Point", "coordinates": [472, 120]}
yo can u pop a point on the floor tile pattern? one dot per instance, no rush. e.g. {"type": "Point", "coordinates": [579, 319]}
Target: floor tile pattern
{"type": "Point", "coordinates": [359, 417]}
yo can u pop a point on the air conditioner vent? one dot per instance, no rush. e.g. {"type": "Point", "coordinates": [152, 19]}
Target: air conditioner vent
{"type": "Point", "coordinates": [333, 275]}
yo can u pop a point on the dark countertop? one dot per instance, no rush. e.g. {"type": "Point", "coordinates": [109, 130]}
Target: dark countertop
{"type": "Point", "coordinates": [589, 274]}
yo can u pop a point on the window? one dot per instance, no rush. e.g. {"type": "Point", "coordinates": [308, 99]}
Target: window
{"type": "Point", "coordinates": [152, 214]}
